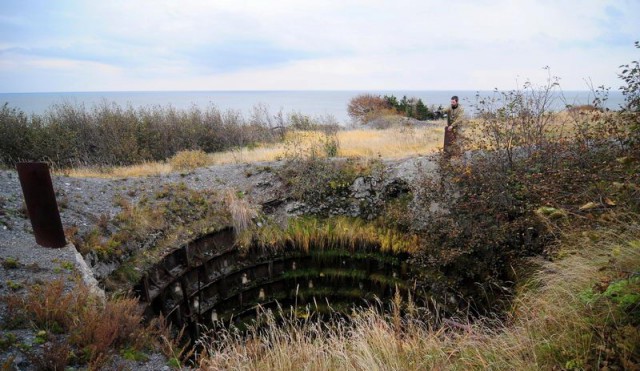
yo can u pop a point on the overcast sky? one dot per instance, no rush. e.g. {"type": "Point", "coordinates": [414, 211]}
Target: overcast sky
{"type": "Point", "coordinates": [113, 45]}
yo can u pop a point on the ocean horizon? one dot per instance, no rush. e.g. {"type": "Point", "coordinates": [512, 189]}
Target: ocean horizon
{"type": "Point", "coordinates": [315, 103]}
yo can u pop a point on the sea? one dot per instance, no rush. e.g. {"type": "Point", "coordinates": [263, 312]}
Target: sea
{"type": "Point", "coordinates": [314, 103]}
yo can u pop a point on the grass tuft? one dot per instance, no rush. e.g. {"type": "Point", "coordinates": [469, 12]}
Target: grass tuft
{"type": "Point", "coordinates": [335, 233]}
{"type": "Point", "coordinates": [189, 160]}
{"type": "Point", "coordinates": [242, 213]}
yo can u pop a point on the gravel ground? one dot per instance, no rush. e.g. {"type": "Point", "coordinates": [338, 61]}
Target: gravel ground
{"type": "Point", "coordinates": [82, 201]}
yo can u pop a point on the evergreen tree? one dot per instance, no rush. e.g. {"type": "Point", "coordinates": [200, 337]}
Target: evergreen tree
{"type": "Point", "coordinates": [402, 106]}
{"type": "Point", "coordinates": [422, 112]}
{"type": "Point", "coordinates": [392, 101]}
{"type": "Point", "coordinates": [409, 112]}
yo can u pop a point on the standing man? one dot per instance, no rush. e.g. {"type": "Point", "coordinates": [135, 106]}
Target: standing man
{"type": "Point", "coordinates": [453, 131]}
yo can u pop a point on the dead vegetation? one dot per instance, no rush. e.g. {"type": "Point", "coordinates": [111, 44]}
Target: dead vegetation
{"type": "Point", "coordinates": [77, 328]}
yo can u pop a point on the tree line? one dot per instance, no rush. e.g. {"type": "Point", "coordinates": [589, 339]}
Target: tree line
{"type": "Point", "coordinates": [366, 107]}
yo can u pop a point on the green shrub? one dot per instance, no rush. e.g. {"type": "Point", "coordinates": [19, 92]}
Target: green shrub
{"type": "Point", "coordinates": [486, 211]}
{"type": "Point", "coordinates": [313, 179]}
{"type": "Point", "coordinates": [108, 134]}
{"type": "Point", "coordinates": [631, 76]}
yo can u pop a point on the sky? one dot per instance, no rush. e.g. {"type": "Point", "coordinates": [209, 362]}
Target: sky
{"type": "Point", "coordinates": [143, 45]}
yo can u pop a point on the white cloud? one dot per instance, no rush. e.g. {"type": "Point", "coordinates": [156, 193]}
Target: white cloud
{"type": "Point", "coordinates": [332, 44]}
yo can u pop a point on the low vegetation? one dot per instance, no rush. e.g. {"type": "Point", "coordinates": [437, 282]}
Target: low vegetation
{"type": "Point", "coordinates": [312, 179]}
{"type": "Point", "coordinates": [391, 143]}
{"type": "Point", "coordinates": [79, 329]}
{"type": "Point", "coordinates": [188, 160]}
{"type": "Point", "coordinates": [497, 198]}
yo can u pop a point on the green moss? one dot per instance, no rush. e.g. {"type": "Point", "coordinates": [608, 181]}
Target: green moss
{"type": "Point", "coordinates": [41, 337]}
{"type": "Point", "coordinates": [15, 286]}
{"type": "Point", "coordinates": [132, 354]}
{"type": "Point", "coordinates": [10, 263]}
{"type": "Point", "coordinates": [128, 272]}
{"type": "Point", "coordinates": [326, 272]}
{"type": "Point", "coordinates": [329, 292]}
{"type": "Point", "coordinates": [24, 347]}
{"type": "Point", "coordinates": [67, 265]}
{"type": "Point", "coordinates": [387, 280]}
{"type": "Point", "coordinates": [588, 296]}
{"type": "Point", "coordinates": [7, 340]}
{"type": "Point", "coordinates": [624, 293]}
{"type": "Point", "coordinates": [360, 255]}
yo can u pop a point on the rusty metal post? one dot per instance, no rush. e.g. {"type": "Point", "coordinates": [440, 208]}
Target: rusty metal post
{"type": "Point", "coordinates": [37, 189]}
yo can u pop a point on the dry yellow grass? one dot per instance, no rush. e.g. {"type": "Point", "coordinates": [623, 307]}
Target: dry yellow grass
{"type": "Point", "coordinates": [241, 211]}
{"type": "Point", "coordinates": [144, 169]}
{"type": "Point", "coordinates": [248, 155]}
{"type": "Point", "coordinates": [187, 160]}
{"type": "Point", "coordinates": [393, 143]}
{"type": "Point", "coordinates": [390, 143]}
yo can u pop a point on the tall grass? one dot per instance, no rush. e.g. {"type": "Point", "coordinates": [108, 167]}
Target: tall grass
{"type": "Point", "coordinates": [334, 233]}
{"type": "Point", "coordinates": [554, 324]}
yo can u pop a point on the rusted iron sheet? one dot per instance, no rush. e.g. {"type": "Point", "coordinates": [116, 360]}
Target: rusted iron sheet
{"type": "Point", "coordinates": [37, 189]}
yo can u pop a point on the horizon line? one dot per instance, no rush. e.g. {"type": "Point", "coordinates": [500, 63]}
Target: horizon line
{"type": "Point", "coordinates": [286, 90]}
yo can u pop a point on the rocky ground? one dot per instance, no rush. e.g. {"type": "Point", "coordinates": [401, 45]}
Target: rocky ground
{"type": "Point", "coordinates": [83, 201]}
